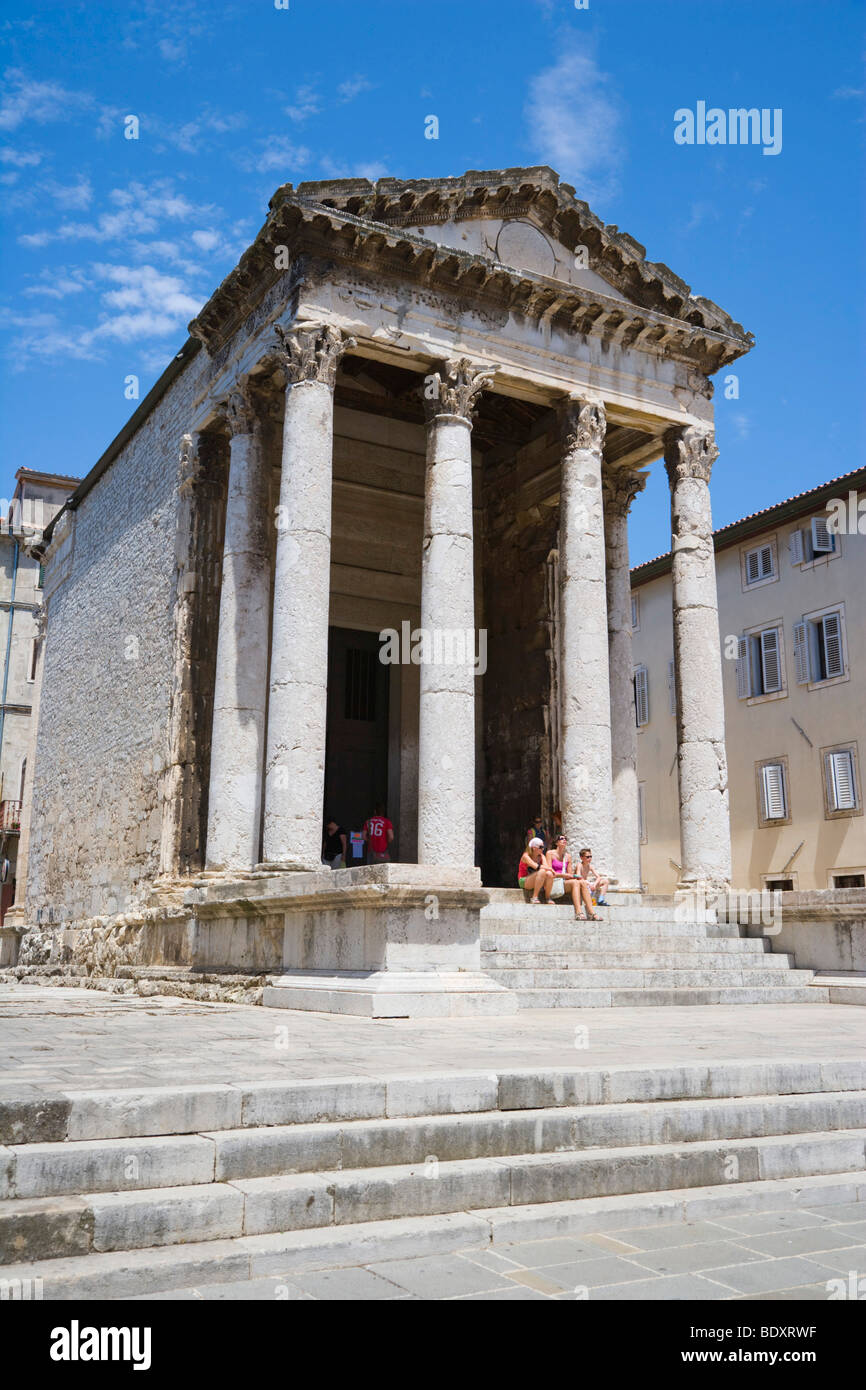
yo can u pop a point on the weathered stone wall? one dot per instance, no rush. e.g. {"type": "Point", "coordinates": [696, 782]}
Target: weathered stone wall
{"type": "Point", "coordinates": [521, 517]}
{"type": "Point", "coordinates": [105, 710]}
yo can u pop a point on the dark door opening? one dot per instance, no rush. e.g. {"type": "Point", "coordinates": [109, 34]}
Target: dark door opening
{"type": "Point", "coordinates": [356, 749]}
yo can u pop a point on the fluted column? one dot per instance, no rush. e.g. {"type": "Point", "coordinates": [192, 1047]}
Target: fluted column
{"type": "Point", "coordinates": [297, 711]}
{"type": "Point", "coordinates": [240, 689]}
{"type": "Point", "coordinates": [620, 487]}
{"type": "Point", "coordinates": [446, 733]}
{"type": "Point", "coordinates": [705, 832]}
{"type": "Point", "coordinates": [585, 774]}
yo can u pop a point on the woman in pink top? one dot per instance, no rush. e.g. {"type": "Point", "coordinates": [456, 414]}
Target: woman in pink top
{"type": "Point", "coordinates": [559, 861]}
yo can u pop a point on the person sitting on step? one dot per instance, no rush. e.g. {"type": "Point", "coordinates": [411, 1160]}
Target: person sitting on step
{"type": "Point", "coordinates": [533, 872]}
{"type": "Point", "coordinates": [559, 860]}
{"type": "Point", "coordinates": [597, 882]}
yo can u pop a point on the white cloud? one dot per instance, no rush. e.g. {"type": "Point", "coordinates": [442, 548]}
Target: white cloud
{"type": "Point", "coordinates": [20, 158]}
{"type": "Point", "coordinates": [574, 122]}
{"type": "Point", "coordinates": [347, 91]}
{"type": "Point", "coordinates": [174, 51]}
{"type": "Point", "coordinates": [78, 195]}
{"type": "Point", "coordinates": [276, 152]}
{"type": "Point", "coordinates": [306, 104]}
{"type": "Point", "coordinates": [138, 210]}
{"type": "Point", "coordinates": [28, 100]}
{"type": "Point", "coordinates": [151, 303]}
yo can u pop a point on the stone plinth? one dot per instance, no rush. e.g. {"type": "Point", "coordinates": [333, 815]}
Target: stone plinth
{"type": "Point", "coordinates": [385, 940]}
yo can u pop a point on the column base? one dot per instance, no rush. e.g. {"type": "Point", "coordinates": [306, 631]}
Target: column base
{"type": "Point", "coordinates": [290, 866]}
{"type": "Point", "coordinates": [390, 994]}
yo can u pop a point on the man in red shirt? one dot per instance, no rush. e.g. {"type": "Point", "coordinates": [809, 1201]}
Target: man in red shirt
{"type": "Point", "coordinates": [378, 834]}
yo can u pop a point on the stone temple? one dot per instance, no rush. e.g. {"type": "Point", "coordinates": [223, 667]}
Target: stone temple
{"type": "Point", "coordinates": [419, 406]}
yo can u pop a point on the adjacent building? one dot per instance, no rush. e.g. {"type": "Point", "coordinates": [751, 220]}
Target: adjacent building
{"type": "Point", "coordinates": [792, 620]}
{"type": "Point", "coordinates": [37, 499]}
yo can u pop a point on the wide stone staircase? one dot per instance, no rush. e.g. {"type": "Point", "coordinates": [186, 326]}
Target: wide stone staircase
{"type": "Point", "coordinates": [641, 953]}
{"type": "Point", "coordinates": [134, 1193]}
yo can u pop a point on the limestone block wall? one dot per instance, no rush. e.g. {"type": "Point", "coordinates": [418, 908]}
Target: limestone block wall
{"type": "Point", "coordinates": [521, 518]}
{"type": "Point", "coordinates": [104, 717]}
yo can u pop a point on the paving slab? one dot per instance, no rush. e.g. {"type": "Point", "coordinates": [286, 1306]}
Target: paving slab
{"type": "Point", "coordinates": [85, 1040]}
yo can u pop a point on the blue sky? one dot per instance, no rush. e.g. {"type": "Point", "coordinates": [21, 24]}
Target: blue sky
{"type": "Point", "coordinates": [110, 245]}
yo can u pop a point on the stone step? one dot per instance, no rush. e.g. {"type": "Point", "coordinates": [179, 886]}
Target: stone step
{"type": "Point", "coordinates": [621, 916]}
{"type": "Point", "coordinates": [664, 998]}
{"type": "Point", "coordinates": [123, 1166]}
{"type": "Point", "coordinates": [531, 958]}
{"type": "Point", "coordinates": [591, 941]}
{"type": "Point", "coordinates": [181, 1271]}
{"type": "Point", "coordinates": [31, 1116]}
{"type": "Point", "coordinates": [144, 1219]}
{"type": "Point", "coordinates": [543, 921]}
{"type": "Point", "coordinates": [530, 976]}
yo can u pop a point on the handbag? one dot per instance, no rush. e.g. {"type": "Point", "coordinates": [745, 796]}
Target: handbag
{"type": "Point", "coordinates": [558, 888]}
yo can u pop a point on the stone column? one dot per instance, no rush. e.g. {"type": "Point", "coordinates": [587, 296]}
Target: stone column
{"type": "Point", "coordinates": [237, 746]}
{"type": "Point", "coordinates": [586, 788]}
{"type": "Point", "coordinates": [295, 767]}
{"type": "Point", "coordinates": [446, 734]}
{"type": "Point", "coordinates": [705, 832]}
{"type": "Point", "coordinates": [620, 487]}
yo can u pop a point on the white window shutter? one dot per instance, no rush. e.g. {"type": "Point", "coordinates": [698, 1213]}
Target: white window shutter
{"type": "Point", "coordinates": [744, 673]}
{"type": "Point", "coordinates": [753, 566]}
{"type": "Point", "coordinates": [801, 654]}
{"type": "Point", "coordinates": [635, 611]}
{"type": "Point", "coordinates": [771, 665]}
{"type": "Point", "coordinates": [641, 696]}
{"type": "Point", "coordinates": [822, 540]}
{"type": "Point", "coordinates": [840, 781]}
{"type": "Point", "coordinates": [672, 684]}
{"type": "Point", "coordinates": [773, 778]}
{"type": "Point", "coordinates": [766, 561]}
{"type": "Point", "coordinates": [832, 634]}
{"type": "Point", "coordinates": [795, 547]}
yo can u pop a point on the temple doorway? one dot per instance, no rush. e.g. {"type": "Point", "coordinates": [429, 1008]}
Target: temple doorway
{"type": "Point", "coordinates": [356, 750]}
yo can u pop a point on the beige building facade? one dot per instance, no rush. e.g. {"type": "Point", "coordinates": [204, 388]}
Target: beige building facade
{"type": "Point", "coordinates": [35, 502]}
{"type": "Point", "coordinates": [792, 627]}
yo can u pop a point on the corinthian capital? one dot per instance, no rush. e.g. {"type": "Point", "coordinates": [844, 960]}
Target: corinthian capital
{"type": "Point", "coordinates": [584, 425]}
{"type": "Point", "coordinates": [239, 409]}
{"type": "Point", "coordinates": [456, 387]}
{"type": "Point", "coordinates": [311, 352]}
{"type": "Point", "coordinates": [620, 486]}
{"type": "Point", "coordinates": [690, 453]}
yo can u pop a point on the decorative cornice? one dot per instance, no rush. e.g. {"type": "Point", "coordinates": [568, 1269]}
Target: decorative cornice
{"type": "Point", "coordinates": [620, 486]}
{"type": "Point", "coordinates": [311, 352]}
{"type": "Point", "coordinates": [584, 424]}
{"type": "Point", "coordinates": [459, 384]}
{"type": "Point", "coordinates": [690, 453]}
{"type": "Point", "coordinates": [361, 224]}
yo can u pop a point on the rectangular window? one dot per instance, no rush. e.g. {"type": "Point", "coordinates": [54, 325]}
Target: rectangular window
{"type": "Point", "coordinates": [825, 646]}
{"type": "Point", "coordinates": [635, 612]}
{"type": "Point", "coordinates": [823, 540]}
{"type": "Point", "coordinates": [841, 781]}
{"type": "Point", "coordinates": [31, 662]}
{"type": "Point", "coordinates": [672, 684]}
{"type": "Point", "coordinates": [759, 564]}
{"type": "Point", "coordinates": [849, 880]}
{"type": "Point", "coordinates": [759, 663]}
{"type": "Point", "coordinates": [774, 804]}
{"type": "Point", "coordinates": [40, 583]}
{"type": "Point", "coordinates": [779, 885]}
{"type": "Point", "coordinates": [360, 684]}
{"type": "Point", "coordinates": [641, 696]}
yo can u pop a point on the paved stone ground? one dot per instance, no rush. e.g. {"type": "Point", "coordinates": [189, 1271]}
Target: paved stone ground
{"type": "Point", "coordinates": [753, 1256]}
{"type": "Point", "coordinates": [78, 1038]}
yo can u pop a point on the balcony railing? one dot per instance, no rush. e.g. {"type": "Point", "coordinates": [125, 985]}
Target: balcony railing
{"type": "Point", "coordinates": [10, 815]}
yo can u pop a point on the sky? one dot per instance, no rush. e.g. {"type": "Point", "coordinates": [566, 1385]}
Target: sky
{"type": "Point", "coordinates": [110, 245]}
